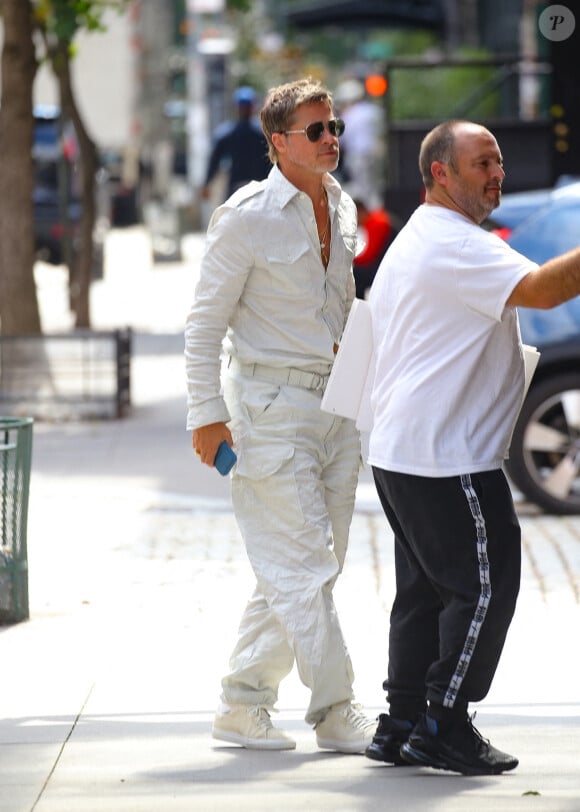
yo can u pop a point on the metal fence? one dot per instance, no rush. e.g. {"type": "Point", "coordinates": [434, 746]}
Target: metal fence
{"type": "Point", "coordinates": [80, 375]}
{"type": "Point", "coordinates": [15, 461]}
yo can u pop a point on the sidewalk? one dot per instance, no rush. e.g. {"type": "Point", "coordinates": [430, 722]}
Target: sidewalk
{"type": "Point", "coordinates": [137, 581]}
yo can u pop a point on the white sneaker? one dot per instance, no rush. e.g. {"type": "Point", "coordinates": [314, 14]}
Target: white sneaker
{"type": "Point", "coordinates": [250, 726]}
{"type": "Point", "coordinates": [345, 729]}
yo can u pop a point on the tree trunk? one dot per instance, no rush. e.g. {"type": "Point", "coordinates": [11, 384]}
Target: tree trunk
{"type": "Point", "coordinates": [19, 313]}
{"type": "Point", "coordinates": [81, 272]}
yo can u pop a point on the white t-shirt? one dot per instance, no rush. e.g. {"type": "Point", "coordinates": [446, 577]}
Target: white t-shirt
{"type": "Point", "coordinates": [449, 376]}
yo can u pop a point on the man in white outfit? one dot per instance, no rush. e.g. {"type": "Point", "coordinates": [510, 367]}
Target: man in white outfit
{"type": "Point", "coordinates": [363, 143]}
{"type": "Point", "coordinates": [276, 280]}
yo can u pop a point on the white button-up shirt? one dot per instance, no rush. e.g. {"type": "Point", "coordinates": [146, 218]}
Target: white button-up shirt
{"type": "Point", "coordinates": [264, 288]}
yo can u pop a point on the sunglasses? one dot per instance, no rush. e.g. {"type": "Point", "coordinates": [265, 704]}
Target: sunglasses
{"type": "Point", "coordinates": [314, 131]}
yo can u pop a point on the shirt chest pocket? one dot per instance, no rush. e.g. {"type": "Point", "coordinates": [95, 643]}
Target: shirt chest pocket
{"type": "Point", "coordinates": [283, 266]}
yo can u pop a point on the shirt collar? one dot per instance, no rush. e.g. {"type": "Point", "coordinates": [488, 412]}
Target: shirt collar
{"type": "Point", "coordinates": [284, 191]}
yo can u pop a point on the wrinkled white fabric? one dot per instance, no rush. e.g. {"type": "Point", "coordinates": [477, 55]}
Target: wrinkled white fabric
{"type": "Point", "coordinates": [293, 494]}
{"type": "Point", "coordinates": [263, 283]}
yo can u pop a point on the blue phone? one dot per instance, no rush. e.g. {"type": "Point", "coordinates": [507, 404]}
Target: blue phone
{"type": "Point", "coordinates": [225, 458]}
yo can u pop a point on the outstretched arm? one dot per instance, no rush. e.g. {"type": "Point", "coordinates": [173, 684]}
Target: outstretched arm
{"type": "Point", "coordinates": [553, 283]}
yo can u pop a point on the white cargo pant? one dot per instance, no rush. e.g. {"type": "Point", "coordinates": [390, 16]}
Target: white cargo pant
{"type": "Point", "coordinates": [293, 494]}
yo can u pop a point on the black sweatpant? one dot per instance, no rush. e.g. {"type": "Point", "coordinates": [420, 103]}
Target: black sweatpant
{"type": "Point", "coordinates": [457, 563]}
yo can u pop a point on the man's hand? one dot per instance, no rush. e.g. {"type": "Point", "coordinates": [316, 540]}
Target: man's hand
{"type": "Point", "coordinates": [206, 439]}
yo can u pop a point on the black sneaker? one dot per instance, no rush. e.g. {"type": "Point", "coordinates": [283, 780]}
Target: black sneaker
{"type": "Point", "coordinates": [389, 736]}
{"type": "Point", "coordinates": [460, 748]}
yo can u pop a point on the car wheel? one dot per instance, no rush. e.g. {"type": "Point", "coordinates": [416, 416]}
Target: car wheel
{"type": "Point", "coordinates": [544, 460]}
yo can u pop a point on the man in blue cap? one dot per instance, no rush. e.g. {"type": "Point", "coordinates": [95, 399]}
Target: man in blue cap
{"type": "Point", "coordinates": [240, 147]}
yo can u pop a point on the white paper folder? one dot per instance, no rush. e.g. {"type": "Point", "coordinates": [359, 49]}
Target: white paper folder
{"type": "Point", "coordinates": [531, 358]}
{"type": "Point", "coordinates": [348, 389]}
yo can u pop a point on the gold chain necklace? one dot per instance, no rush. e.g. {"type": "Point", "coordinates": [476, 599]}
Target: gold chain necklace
{"type": "Point", "coordinates": [323, 237]}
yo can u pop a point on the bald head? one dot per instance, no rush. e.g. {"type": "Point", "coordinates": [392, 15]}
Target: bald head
{"type": "Point", "coordinates": [462, 169]}
{"type": "Point", "coordinates": [443, 144]}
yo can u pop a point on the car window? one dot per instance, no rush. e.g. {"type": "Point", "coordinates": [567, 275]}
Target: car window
{"type": "Point", "coordinates": [552, 231]}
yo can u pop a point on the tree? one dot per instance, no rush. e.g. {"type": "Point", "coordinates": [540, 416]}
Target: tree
{"type": "Point", "coordinates": [59, 22]}
{"type": "Point", "coordinates": [19, 312]}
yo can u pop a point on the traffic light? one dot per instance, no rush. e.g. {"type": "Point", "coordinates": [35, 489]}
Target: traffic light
{"type": "Point", "coordinates": [376, 85]}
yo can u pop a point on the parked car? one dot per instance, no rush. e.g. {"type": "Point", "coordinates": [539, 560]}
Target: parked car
{"type": "Point", "coordinates": [544, 461]}
{"type": "Point", "coordinates": [56, 192]}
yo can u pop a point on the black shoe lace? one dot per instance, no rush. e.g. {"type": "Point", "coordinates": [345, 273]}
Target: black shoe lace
{"type": "Point", "coordinates": [475, 735]}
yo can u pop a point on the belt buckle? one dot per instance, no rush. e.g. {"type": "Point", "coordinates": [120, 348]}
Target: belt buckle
{"type": "Point", "coordinates": [318, 381]}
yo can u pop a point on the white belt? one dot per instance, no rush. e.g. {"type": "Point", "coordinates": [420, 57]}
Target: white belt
{"type": "Point", "coordinates": [286, 375]}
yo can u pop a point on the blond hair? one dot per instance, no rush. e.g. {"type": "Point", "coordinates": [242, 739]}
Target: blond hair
{"type": "Point", "coordinates": [277, 114]}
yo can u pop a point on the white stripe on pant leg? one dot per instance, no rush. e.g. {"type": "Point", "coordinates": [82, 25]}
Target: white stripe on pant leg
{"type": "Point", "coordinates": [484, 595]}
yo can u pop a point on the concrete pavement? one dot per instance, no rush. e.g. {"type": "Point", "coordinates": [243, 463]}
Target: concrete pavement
{"type": "Point", "coordinates": [137, 581]}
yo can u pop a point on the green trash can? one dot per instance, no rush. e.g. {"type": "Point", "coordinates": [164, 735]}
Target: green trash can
{"type": "Point", "coordinates": [15, 462]}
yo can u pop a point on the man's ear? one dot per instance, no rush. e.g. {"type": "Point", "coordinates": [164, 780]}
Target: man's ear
{"type": "Point", "coordinates": [439, 172]}
{"type": "Point", "coordinates": [279, 141]}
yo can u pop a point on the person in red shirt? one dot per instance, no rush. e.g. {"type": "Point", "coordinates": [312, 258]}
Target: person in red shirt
{"type": "Point", "coordinates": [377, 233]}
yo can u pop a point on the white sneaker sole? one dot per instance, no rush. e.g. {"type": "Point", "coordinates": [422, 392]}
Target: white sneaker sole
{"type": "Point", "coordinates": [350, 748]}
{"type": "Point", "coordinates": [253, 744]}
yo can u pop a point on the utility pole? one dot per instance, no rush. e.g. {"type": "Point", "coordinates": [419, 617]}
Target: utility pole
{"type": "Point", "coordinates": [198, 118]}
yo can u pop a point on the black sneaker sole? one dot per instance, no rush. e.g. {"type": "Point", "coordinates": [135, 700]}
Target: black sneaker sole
{"type": "Point", "coordinates": [422, 758]}
{"type": "Point", "coordinates": [390, 756]}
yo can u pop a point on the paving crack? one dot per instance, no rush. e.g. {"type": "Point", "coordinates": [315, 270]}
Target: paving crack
{"type": "Point", "coordinates": [61, 750]}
